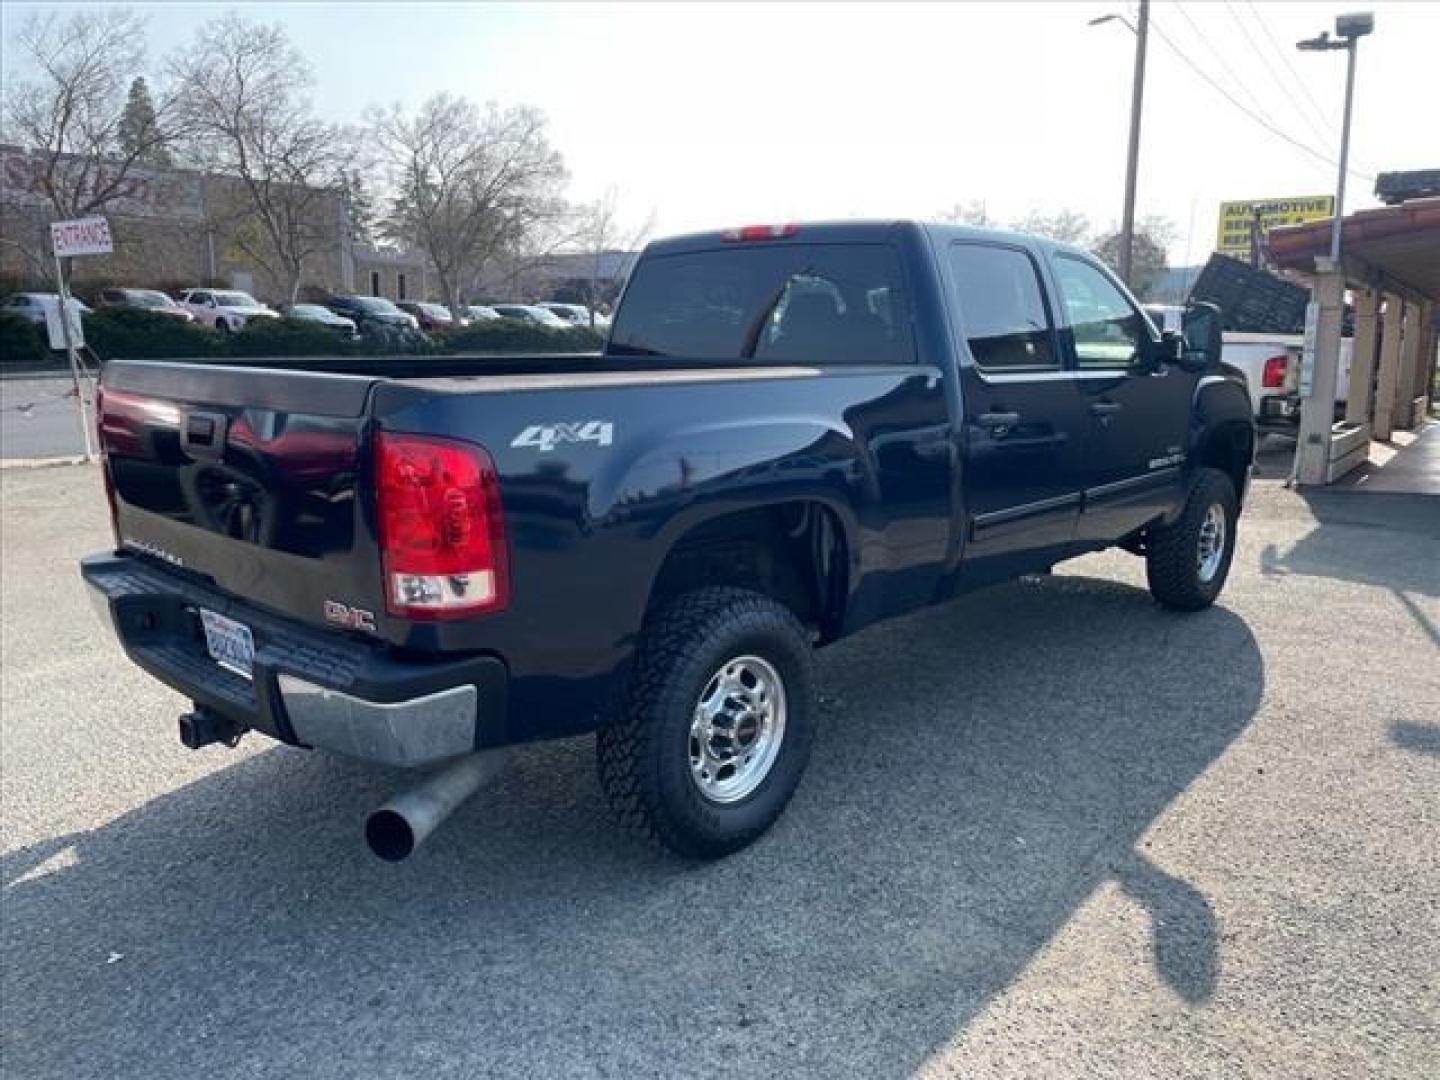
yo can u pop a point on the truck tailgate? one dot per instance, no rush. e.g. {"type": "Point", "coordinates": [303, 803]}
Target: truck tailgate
{"type": "Point", "coordinates": [246, 477]}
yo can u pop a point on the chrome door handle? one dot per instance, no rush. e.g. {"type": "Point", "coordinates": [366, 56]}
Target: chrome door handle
{"type": "Point", "coordinates": [998, 419]}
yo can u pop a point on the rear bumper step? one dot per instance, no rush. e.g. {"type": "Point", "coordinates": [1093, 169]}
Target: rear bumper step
{"type": "Point", "coordinates": [309, 687]}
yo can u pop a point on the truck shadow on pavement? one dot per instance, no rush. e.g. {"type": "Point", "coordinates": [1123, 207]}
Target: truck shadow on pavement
{"type": "Point", "coordinates": [983, 768]}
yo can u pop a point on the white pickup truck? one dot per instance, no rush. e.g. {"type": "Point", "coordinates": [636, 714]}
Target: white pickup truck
{"type": "Point", "coordinates": [1271, 366]}
{"type": "Point", "coordinates": [1271, 363]}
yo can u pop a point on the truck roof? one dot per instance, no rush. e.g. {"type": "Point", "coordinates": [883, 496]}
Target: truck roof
{"type": "Point", "coordinates": [854, 231]}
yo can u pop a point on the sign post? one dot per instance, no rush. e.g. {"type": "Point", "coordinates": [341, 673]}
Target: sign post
{"type": "Point", "coordinates": [83, 236]}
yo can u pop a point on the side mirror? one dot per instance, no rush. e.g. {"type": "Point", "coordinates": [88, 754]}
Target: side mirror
{"type": "Point", "coordinates": [1203, 336]}
{"type": "Point", "coordinates": [1154, 355]}
{"type": "Point", "coordinates": [1172, 346]}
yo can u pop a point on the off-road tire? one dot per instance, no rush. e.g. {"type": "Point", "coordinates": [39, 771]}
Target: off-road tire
{"type": "Point", "coordinates": [643, 753]}
{"type": "Point", "coordinates": [1172, 551]}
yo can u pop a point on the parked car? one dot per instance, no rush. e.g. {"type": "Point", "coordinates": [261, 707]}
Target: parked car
{"type": "Point", "coordinates": [144, 299]}
{"type": "Point", "coordinates": [318, 313]}
{"type": "Point", "coordinates": [531, 314]}
{"type": "Point", "coordinates": [481, 313]}
{"type": "Point", "coordinates": [374, 316]}
{"type": "Point", "coordinates": [428, 316]}
{"type": "Point", "coordinates": [34, 305]}
{"type": "Point", "coordinates": [226, 310]}
{"type": "Point", "coordinates": [794, 433]}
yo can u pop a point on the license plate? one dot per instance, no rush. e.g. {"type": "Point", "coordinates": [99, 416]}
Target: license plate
{"type": "Point", "coordinates": [229, 643]}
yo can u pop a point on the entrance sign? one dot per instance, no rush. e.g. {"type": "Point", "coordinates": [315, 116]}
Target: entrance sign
{"type": "Point", "coordinates": [82, 236]}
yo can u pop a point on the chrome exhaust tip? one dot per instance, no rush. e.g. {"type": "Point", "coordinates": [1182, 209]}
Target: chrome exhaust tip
{"type": "Point", "coordinates": [396, 829]}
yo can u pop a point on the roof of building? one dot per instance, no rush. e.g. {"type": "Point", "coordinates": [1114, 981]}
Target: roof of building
{"type": "Point", "coordinates": [1401, 243]}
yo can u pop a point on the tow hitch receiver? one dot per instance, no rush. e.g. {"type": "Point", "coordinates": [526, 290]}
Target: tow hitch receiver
{"type": "Point", "coordinates": [204, 726]}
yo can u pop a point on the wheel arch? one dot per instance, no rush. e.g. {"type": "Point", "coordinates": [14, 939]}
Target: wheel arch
{"type": "Point", "coordinates": [798, 551]}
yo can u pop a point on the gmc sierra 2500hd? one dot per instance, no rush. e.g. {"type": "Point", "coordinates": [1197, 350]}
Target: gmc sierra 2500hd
{"type": "Point", "coordinates": [793, 432]}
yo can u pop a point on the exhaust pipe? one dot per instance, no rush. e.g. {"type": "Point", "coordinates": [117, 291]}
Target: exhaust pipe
{"type": "Point", "coordinates": [403, 823]}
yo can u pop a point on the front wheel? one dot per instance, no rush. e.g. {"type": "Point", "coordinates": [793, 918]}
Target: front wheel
{"type": "Point", "coordinates": [717, 725]}
{"type": "Point", "coordinates": [1188, 561]}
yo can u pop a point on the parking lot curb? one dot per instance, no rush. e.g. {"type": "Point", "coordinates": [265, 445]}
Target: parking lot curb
{"type": "Point", "coordinates": [40, 463]}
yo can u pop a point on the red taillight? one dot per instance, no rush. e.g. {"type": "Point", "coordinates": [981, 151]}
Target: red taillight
{"type": "Point", "coordinates": [442, 539]}
{"type": "Point", "coordinates": [759, 232]}
{"type": "Point", "coordinates": [1274, 374]}
{"type": "Point", "coordinates": [105, 476]}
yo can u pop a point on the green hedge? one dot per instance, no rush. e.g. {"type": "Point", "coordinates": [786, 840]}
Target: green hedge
{"type": "Point", "coordinates": [134, 333]}
{"type": "Point", "coordinates": [511, 335]}
{"type": "Point", "coordinates": [289, 337]}
{"type": "Point", "coordinates": [23, 343]}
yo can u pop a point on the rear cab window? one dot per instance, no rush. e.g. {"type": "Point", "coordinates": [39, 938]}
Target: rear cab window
{"type": "Point", "coordinates": [1002, 308]}
{"type": "Point", "coordinates": [777, 303]}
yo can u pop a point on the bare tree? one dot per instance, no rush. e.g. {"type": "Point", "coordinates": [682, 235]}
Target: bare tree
{"type": "Point", "coordinates": [244, 101]}
{"type": "Point", "coordinates": [468, 186]}
{"type": "Point", "coordinates": [1065, 225]}
{"type": "Point", "coordinates": [71, 115]}
{"type": "Point", "coordinates": [600, 233]}
{"type": "Point", "coordinates": [973, 213]}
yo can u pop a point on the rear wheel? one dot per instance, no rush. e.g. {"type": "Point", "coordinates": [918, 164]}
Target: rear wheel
{"type": "Point", "coordinates": [1188, 561]}
{"type": "Point", "coordinates": [717, 726]}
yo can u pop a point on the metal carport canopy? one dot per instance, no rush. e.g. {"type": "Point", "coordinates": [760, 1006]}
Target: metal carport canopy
{"type": "Point", "coordinates": [1400, 246]}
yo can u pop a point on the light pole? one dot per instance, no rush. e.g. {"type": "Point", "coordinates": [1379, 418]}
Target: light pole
{"type": "Point", "coordinates": [1132, 156]}
{"type": "Point", "coordinates": [1315, 462]}
{"type": "Point", "coordinates": [1349, 29]}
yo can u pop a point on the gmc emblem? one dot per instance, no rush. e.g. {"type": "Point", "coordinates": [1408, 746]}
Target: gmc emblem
{"type": "Point", "coordinates": [352, 618]}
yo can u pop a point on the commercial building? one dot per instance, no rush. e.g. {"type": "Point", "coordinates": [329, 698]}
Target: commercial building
{"type": "Point", "coordinates": [175, 228]}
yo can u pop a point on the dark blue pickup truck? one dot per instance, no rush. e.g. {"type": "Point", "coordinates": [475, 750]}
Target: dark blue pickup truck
{"type": "Point", "coordinates": [793, 432]}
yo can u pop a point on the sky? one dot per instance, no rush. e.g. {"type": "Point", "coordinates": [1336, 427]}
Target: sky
{"type": "Point", "coordinates": [711, 116]}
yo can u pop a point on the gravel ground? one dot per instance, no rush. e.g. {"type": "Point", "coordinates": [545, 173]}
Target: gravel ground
{"type": "Point", "coordinates": [1049, 830]}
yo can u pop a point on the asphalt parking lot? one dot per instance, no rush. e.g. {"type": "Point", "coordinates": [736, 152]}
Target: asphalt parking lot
{"type": "Point", "coordinates": [1049, 830]}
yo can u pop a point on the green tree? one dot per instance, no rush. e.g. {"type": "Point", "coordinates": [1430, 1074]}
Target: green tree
{"type": "Point", "coordinates": [360, 204]}
{"type": "Point", "coordinates": [139, 130]}
{"type": "Point", "coordinates": [1148, 255]}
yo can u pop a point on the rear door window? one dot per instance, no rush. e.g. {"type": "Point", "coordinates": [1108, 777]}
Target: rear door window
{"type": "Point", "coordinates": [1003, 314]}
{"type": "Point", "coordinates": [790, 303]}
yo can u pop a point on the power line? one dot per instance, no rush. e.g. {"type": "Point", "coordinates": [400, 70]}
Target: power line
{"type": "Point", "coordinates": [1220, 61]}
{"type": "Point", "coordinates": [1261, 120]}
{"type": "Point", "coordinates": [1317, 130]}
{"type": "Point", "coordinates": [1285, 59]}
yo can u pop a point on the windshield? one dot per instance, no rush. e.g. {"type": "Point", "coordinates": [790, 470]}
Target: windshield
{"type": "Point", "coordinates": [236, 299]}
{"type": "Point", "coordinates": [435, 311]}
{"type": "Point", "coordinates": [148, 298]}
{"type": "Point", "coordinates": [376, 305]}
{"type": "Point", "coordinates": [781, 303]}
{"type": "Point", "coordinates": [309, 311]}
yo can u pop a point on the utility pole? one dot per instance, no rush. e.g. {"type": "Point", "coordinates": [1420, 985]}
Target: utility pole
{"type": "Point", "coordinates": [1132, 155]}
{"type": "Point", "coordinates": [1132, 159]}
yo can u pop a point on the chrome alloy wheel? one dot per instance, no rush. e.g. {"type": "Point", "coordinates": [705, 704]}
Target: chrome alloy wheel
{"type": "Point", "coordinates": [1211, 550]}
{"type": "Point", "coordinates": [737, 729]}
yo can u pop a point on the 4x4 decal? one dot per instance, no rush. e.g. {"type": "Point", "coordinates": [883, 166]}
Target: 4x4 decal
{"type": "Point", "coordinates": [545, 437]}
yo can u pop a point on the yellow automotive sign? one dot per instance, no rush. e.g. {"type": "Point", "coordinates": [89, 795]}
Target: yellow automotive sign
{"type": "Point", "coordinates": [1236, 218]}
